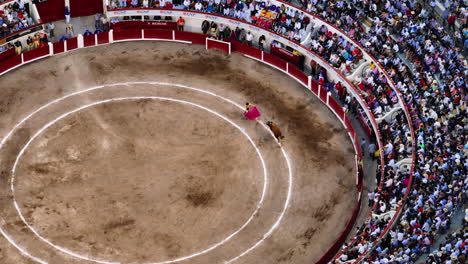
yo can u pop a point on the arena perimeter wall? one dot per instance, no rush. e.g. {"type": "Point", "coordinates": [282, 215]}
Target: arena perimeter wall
{"type": "Point", "coordinates": [288, 68]}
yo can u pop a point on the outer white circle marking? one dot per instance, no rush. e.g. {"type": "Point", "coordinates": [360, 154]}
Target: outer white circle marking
{"type": "Point", "coordinates": [265, 236]}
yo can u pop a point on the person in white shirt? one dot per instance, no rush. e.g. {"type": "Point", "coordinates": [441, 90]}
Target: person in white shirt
{"type": "Point", "coordinates": [249, 38]}
{"type": "Point", "coordinates": [237, 14]}
{"type": "Point", "coordinates": [21, 5]}
{"type": "Point", "coordinates": [297, 25]}
{"type": "Point", "coordinates": [198, 6]}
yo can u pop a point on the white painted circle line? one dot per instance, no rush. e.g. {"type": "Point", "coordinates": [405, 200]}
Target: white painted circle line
{"type": "Point", "coordinates": [69, 252]}
{"type": "Point", "coordinates": [265, 236]}
{"type": "Point", "coordinates": [19, 248]}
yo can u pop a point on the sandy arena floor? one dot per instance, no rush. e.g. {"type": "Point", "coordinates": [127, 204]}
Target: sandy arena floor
{"type": "Point", "coordinates": [166, 170]}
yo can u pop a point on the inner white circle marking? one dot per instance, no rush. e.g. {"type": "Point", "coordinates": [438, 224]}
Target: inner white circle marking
{"type": "Point", "coordinates": [64, 250]}
{"type": "Point", "coordinates": [265, 236]}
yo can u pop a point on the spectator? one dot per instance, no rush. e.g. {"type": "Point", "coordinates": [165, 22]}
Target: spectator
{"type": "Point", "coordinates": [18, 47]}
{"type": "Point", "coordinates": [67, 14]}
{"type": "Point", "coordinates": [30, 43]}
{"type": "Point", "coordinates": [261, 42]}
{"type": "Point", "coordinates": [249, 38]}
{"type": "Point", "coordinates": [14, 17]}
{"type": "Point", "coordinates": [205, 26]}
{"type": "Point", "coordinates": [51, 29]}
{"type": "Point", "coordinates": [87, 33]}
{"type": "Point", "coordinates": [180, 24]}
{"type": "Point", "coordinates": [69, 30]}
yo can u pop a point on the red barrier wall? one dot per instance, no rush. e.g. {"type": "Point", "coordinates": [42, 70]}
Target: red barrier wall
{"type": "Point", "coordinates": [364, 125]}
{"type": "Point", "coordinates": [246, 49]}
{"type": "Point", "coordinates": [274, 61]}
{"type": "Point", "coordinates": [7, 54]}
{"type": "Point", "coordinates": [127, 34]}
{"type": "Point", "coordinates": [195, 38]}
{"type": "Point", "coordinates": [36, 53]}
{"type": "Point", "coordinates": [336, 107]}
{"type": "Point", "coordinates": [158, 34]}
{"type": "Point", "coordinates": [314, 87]}
{"type": "Point", "coordinates": [89, 40]}
{"type": "Point", "coordinates": [331, 252]}
{"type": "Point", "coordinates": [72, 44]}
{"type": "Point", "coordinates": [222, 46]}
{"type": "Point", "coordinates": [294, 71]}
{"type": "Point", "coordinates": [59, 47]}
{"type": "Point", "coordinates": [10, 63]}
{"type": "Point", "coordinates": [103, 38]}
{"type": "Point", "coordinates": [284, 54]}
{"type": "Point", "coordinates": [124, 25]}
{"type": "Point", "coordinates": [349, 126]}
{"type": "Point", "coordinates": [323, 93]}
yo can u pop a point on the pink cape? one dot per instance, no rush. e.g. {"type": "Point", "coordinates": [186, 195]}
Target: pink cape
{"type": "Point", "coordinates": [252, 114]}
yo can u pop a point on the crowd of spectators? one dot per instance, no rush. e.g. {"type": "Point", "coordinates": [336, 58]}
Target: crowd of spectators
{"type": "Point", "coordinates": [427, 66]}
{"type": "Point", "coordinates": [14, 17]}
{"type": "Point", "coordinates": [281, 19]}
{"type": "Point", "coordinates": [454, 247]}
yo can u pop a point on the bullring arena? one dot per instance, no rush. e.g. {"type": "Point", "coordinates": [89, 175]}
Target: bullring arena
{"type": "Point", "coordinates": [243, 131]}
{"type": "Point", "coordinates": [139, 153]}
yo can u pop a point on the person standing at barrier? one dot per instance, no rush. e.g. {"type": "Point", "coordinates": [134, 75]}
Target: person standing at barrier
{"type": "Point", "coordinates": [226, 32]}
{"type": "Point", "coordinates": [371, 150]}
{"type": "Point", "coordinates": [29, 43]}
{"type": "Point", "coordinates": [363, 143]}
{"type": "Point", "coordinates": [221, 29]}
{"type": "Point", "coordinates": [36, 40]}
{"type": "Point", "coordinates": [249, 38]}
{"type": "Point", "coordinates": [104, 23]}
{"type": "Point", "coordinates": [243, 36]}
{"type": "Point", "coordinates": [205, 26]}
{"type": "Point", "coordinates": [97, 21]}
{"type": "Point", "coordinates": [371, 196]}
{"type": "Point", "coordinates": [69, 31]}
{"type": "Point", "coordinates": [180, 24]}
{"type": "Point", "coordinates": [87, 33]}
{"type": "Point", "coordinates": [67, 14]}
{"type": "Point", "coordinates": [214, 30]}
{"type": "Point", "coordinates": [237, 33]}
{"type": "Point", "coordinates": [261, 42]}
{"type": "Point", "coordinates": [18, 47]}
{"type": "Point", "coordinates": [51, 27]}
{"type": "Point", "coordinates": [43, 39]}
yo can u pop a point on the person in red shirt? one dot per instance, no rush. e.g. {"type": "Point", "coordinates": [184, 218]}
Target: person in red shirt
{"type": "Point", "coordinates": [180, 24]}
{"type": "Point", "coordinates": [169, 5]}
{"type": "Point", "coordinates": [451, 21]}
